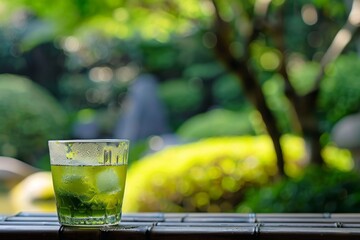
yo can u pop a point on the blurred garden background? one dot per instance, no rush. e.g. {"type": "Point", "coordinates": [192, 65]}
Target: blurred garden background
{"type": "Point", "coordinates": [230, 106]}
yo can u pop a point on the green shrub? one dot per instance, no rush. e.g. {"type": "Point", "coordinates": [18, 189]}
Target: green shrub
{"type": "Point", "coordinates": [29, 117]}
{"type": "Point", "coordinates": [210, 175]}
{"type": "Point", "coordinates": [215, 123]}
{"type": "Point", "coordinates": [318, 190]}
{"type": "Point", "coordinates": [340, 92]}
{"type": "Point", "coordinates": [227, 92]}
{"type": "Point", "coordinates": [181, 98]}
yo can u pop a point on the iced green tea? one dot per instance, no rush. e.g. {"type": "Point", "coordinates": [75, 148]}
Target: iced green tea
{"type": "Point", "coordinates": [89, 195]}
{"type": "Point", "coordinates": [89, 180]}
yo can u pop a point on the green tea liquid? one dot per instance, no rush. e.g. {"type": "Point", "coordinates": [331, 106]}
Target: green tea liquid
{"type": "Point", "coordinates": [89, 195]}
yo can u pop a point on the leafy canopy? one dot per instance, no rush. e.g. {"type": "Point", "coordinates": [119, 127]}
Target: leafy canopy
{"type": "Point", "coordinates": [149, 19]}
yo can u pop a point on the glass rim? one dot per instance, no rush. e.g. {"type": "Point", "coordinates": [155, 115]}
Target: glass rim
{"type": "Point", "coordinates": [90, 141]}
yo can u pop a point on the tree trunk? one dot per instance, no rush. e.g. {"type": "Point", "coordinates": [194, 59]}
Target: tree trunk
{"type": "Point", "coordinates": [251, 86]}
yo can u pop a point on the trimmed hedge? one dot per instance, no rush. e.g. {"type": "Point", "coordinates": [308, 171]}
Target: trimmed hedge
{"type": "Point", "coordinates": [212, 175]}
{"type": "Point", "coordinates": [29, 117]}
{"type": "Point", "coordinates": [217, 122]}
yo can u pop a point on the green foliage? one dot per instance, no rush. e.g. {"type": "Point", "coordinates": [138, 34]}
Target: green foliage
{"type": "Point", "coordinates": [29, 117]}
{"type": "Point", "coordinates": [228, 93]}
{"type": "Point", "coordinates": [171, 40]}
{"type": "Point", "coordinates": [194, 177]}
{"type": "Point", "coordinates": [137, 151]}
{"type": "Point", "coordinates": [158, 57]}
{"type": "Point", "coordinates": [81, 92]}
{"type": "Point", "coordinates": [210, 175]}
{"type": "Point", "coordinates": [179, 47]}
{"type": "Point", "coordinates": [182, 99]}
{"type": "Point", "coordinates": [317, 190]}
{"type": "Point", "coordinates": [203, 70]}
{"type": "Point", "coordinates": [303, 76]}
{"type": "Point", "coordinates": [215, 123]}
{"type": "Point", "coordinates": [124, 19]}
{"type": "Point", "coordinates": [340, 91]}
{"type": "Point", "coordinates": [311, 40]}
{"type": "Point", "coordinates": [273, 89]}
{"type": "Point", "coordinates": [331, 8]}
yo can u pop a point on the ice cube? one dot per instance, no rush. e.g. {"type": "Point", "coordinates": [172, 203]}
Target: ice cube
{"type": "Point", "coordinates": [78, 185]}
{"type": "Point", "coordinates": [107, 181]}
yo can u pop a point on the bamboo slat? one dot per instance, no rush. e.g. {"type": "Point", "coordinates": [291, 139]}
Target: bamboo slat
{"type": "Point", "coordinates": [189, 226]}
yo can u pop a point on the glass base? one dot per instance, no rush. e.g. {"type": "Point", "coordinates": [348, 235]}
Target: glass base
{"type": "Point", "coordinates": [90, 221]}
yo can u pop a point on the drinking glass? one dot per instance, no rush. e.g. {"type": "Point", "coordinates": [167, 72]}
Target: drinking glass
{"type": "Point", "coordinates": [89, 180]}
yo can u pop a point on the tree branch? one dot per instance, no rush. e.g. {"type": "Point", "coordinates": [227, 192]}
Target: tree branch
{"type": "Point", "coordinates": [277, 33]}
{"type": "Point", "coordinates": [248, 79]}
{"type": "Point", "coordinates": [341, 40]}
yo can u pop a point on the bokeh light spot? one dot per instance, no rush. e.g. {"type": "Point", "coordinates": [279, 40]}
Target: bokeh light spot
{"type": "Point", "coordinates": [209, 40]}
{"type": "Point", "coordinates": [214, 173]}
{"type": "Point", "coordinates": [309, 14]}
{"type": "Point", "coordinates": [207, 8]}
{"type": "Point", "coordinates": [202, 199]}
{"type": "Point", "coordinates": [71, 44]}
{"type": "Point", "coordinates": [86, 115]}
{"type": "Point", "coordinates": [269, 61]}
{"type": "Point", "coordinates": [186, 188]}
{"type": "Point", "coordinates": [121, 15]}
{"type": "Point", "coordinates": [229, 184]}
{"type": "Point", "coordinates": [156, 143]}
{"type": "Point", "coordinates": [101, 74]}
{"type": "Point", "coordinates": [228, 166]}
{"type": "Point", "coordinates": [127, 73]}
